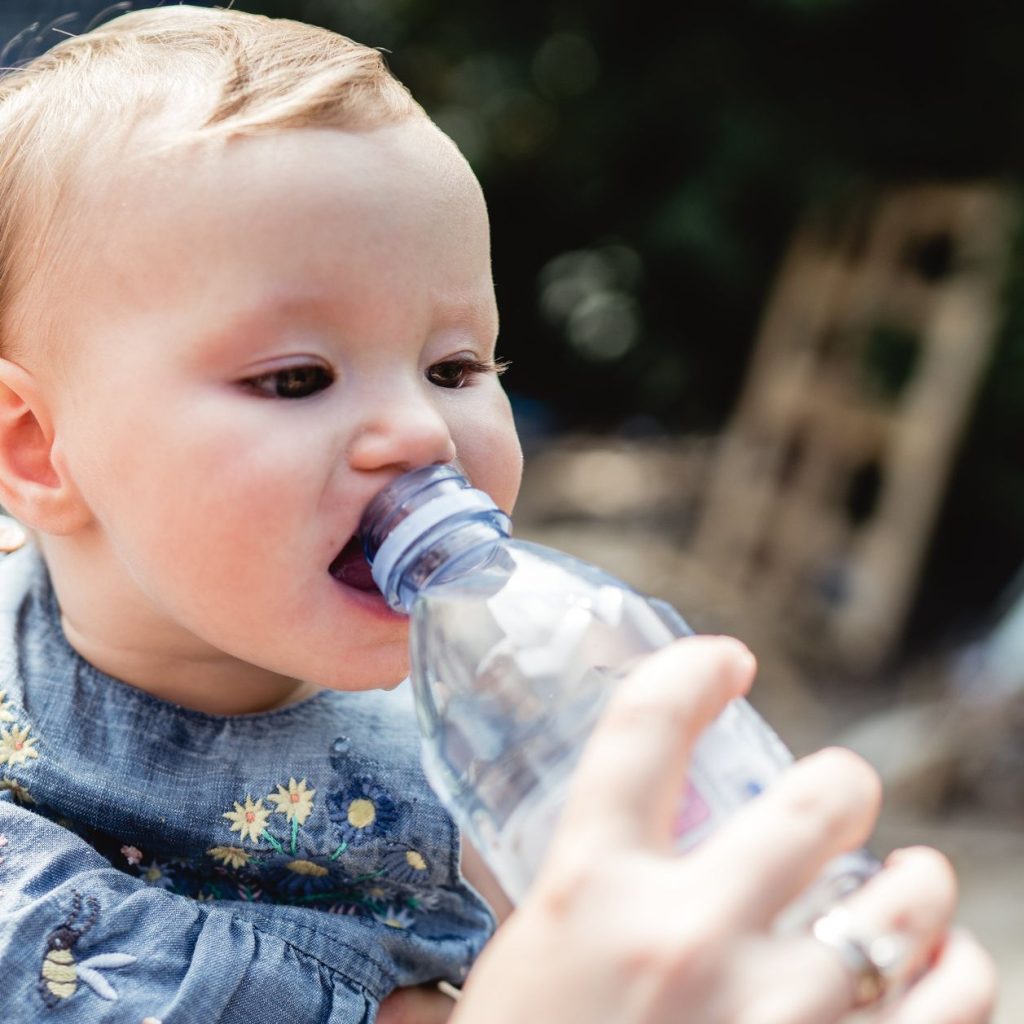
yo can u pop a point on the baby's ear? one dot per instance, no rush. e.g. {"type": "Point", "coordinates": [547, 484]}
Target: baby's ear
{"type": "Point", "coordinates": [34, 488]}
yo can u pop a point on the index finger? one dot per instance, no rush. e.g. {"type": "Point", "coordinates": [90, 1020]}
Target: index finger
{"type": "Point", "coordinates": [630, 778]}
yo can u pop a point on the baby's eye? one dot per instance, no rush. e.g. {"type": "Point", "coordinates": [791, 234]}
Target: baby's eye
{"type": "Point", "coordinates": [292, 381]}
{"type": "Point", "coordinates": [456, 373]}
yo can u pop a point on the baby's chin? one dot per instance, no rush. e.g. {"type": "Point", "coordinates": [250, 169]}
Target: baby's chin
{"type": "Point", "coordinates": [389, 667]}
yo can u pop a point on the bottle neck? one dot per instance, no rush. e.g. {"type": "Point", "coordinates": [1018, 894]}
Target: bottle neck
{"type": "Point", "coordinates": [423, 526]}
{"type": "Point", "coordinates": [448, 552]}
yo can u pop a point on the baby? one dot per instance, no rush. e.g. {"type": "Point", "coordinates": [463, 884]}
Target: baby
{"type": "Point", "coordinates": [244, 283]}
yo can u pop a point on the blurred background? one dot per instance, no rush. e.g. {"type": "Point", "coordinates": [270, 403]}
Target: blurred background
{"type": "Point", "coordinates": [761, 271]}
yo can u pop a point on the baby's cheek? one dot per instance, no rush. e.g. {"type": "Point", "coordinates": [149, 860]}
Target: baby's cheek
{"type": "Point", "coordinates": [492, 455]}
{"type": "Point", "coordinates": [504, 471]}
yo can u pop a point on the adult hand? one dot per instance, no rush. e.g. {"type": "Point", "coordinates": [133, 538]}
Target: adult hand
{"type": "Point", "coordinates": [619, 928]}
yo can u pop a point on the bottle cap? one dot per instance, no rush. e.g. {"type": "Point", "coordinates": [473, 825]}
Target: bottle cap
{"type": "Point", "coordinates": [411, 506]}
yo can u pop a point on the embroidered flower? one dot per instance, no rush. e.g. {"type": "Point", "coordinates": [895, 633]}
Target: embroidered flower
{"type": "Point", "coordinates": [250, 820]}
{"type": "Point", "coordinates": [132, 854]}
{"type": "Point", "coordinates": [296, 802]}
{"type": "Point", "coordinates": [396, 917]}
{"type": "Point", "coordinates": [407, 865]}
{"type": "Point", "coordinates": [364, 808]}
{"type": "Point", "coordinates": [307, 867]}
{"type": "Point", "coordinates": [299, 877]}
{"type": "Point", "coordinates": [157, 875]}
{"type": "Point", "coordinates": [381, 896]}
{"type": "Point", "coordinates": [232, 856]}
{"type": "Point", "coordinates": [428, 899]}
{"type": "Point", "coordinates": [5, 711]}
{"type": "Point", "coordinates": [18, 791]}
{"type": "Point", "coordinates": [16, 745]}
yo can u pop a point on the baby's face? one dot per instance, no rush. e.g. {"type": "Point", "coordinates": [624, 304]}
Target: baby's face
{"type": "Point", "coordinates": [263, 336]}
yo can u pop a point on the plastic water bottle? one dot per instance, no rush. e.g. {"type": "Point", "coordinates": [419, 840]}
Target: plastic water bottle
{"type": "Point", "coordinates": [515, 649]}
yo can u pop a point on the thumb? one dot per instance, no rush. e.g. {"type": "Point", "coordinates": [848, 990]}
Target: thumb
{"type": "Point", "coordinates": [630, 778]}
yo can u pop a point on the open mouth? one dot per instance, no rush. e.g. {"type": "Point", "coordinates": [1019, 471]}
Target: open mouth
{"type": "Point", "coordinates": [351, 567]}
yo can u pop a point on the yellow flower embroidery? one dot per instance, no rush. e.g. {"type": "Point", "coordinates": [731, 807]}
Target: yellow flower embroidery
{"type": "Point", "coordinates": [232, 856]}
{"type": "Point", "coordinates": [307, 867]}
{"type": "Point", "coordinates": [20, 793]}
{"type": "Point", "coordinates": [5, 713]}
{"type": "Point", "coordinates": [249, 820]}
{"type": "Point", "coordinates": [296, 802]}
{"type": "Point", "coordinates": [16, 745]}
{"type": "Point", "coordinates": [415, 860]}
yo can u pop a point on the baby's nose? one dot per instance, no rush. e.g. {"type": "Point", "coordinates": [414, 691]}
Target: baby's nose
{"type": "Point", "coordinates": [401, 434]}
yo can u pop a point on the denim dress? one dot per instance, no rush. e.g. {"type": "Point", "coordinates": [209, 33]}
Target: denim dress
{"type": "Point", "coordinates": [158, 864]}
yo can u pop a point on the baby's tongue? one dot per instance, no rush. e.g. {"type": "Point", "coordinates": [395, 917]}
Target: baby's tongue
{"type": "Point", "coordinates": [352, 568]}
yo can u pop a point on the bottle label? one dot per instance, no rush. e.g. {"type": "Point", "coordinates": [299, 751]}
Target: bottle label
{"type": "Point", "coordinates": [693, 812]}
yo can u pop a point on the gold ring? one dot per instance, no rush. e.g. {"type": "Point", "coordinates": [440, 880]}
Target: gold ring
{"type": "Point", "coordinates": [871, 963]}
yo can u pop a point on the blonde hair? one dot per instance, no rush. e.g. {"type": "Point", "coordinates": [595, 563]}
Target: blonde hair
{"type": "Point", "coordinates": [185, 73]}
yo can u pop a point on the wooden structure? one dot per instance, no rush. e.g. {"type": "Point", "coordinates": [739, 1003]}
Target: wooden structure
{"type": "Point", "coordinates": [823, 495]}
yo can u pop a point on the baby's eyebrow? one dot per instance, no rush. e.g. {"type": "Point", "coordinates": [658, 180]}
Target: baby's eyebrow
{"type": "Point", "coordinates": [479, 317]}
{"type": "Point", "coordinates": [266, 317]}
{"type": "Point", "coordinates": [261, 319]}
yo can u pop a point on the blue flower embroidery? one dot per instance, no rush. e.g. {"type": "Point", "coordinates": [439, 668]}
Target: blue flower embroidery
{"type": "Point", "coordinates": [298, 876]}
{"type": "Point", "coordinates": [363, 810]}
{"type": "Point", "coordinates": [407, 866]}
{"type": "Point", "coordinates": [157, 875]}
